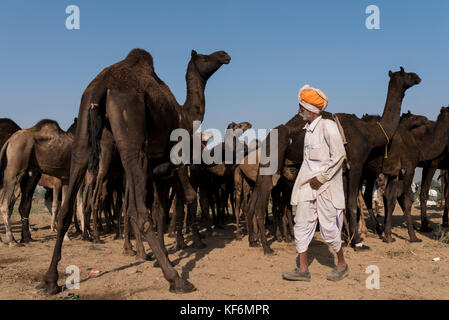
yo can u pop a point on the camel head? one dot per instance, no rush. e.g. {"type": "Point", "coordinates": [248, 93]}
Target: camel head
{"type": "Point", "coordinates": [242, 125]}
{"type": "Point", "coordinates": [404, 80]}
{"type": "Point", "coordinates": [411, 121]}
{"type": "Point", "coordinates": [208, 64]}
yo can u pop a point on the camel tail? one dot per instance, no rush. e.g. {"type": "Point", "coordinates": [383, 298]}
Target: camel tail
{"type": "Point", "coordinates": [3, 162]}
{"type": "Point", "coordinates": [95, 124]}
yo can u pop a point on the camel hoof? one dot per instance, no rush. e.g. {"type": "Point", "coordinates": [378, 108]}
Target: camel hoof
{"type": "Point", "coordinates": [129, 252]}
{"type": "Point", "coordinates": [14, 243]}
{"type": "Point", "coordinates": [50, 288]}
{"type": "Point", "coordinates": [143, 257]}
{"type": "Point", "coordinates": [379, 230]}
{"type": "Point", "coordinates": [26, 240]}
{"type": "Point", "coordinates": [425, 229]}
{"type": "Point", "coordinates": [181, 286]}
{"type": "Point", "coordinates": [254, 244]}
{"type": "Point", "coordinates": [238, 237]}
{"type": "Point", "coordinates": [98, 241]}
{"type": "Point", "coordinates": [199, 245]}
{"type": "Point", "coordinates": [180, 245]}
{"type": "Point", "coordinates": [415, 239]}
{"type": "Point", "coordinates": [268, 252]}
{"type": "Point", "coordinates": [388, 239]}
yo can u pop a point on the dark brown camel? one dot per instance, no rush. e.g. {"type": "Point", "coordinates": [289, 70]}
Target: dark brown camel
{"type": "Point", "coordinates": [7, 128]}
{"type": "Point", "coordinates": [403, 156]}
{"type": "Point", "coordinates": [27, 154]}
{"type": "Point", "coordinates": [429, 168]}
{"type": "Point", "coordinates": [362, 138]}
{"type": "Point", "coordinates": [142, 112]}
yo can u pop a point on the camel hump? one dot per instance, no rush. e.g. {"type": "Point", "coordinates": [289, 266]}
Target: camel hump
{"type": "Point", "coordinates": [46, 124]}
{"type": "Point", "coordinates": [6, 122]}
{"type": "Point", "coordinates": [139, 55]}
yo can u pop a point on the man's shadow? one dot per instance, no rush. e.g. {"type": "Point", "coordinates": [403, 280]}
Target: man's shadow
{"type": "Point", "coordinates": [319, 251]}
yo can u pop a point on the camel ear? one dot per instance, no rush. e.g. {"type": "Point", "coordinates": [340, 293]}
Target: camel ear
{"type": "Point", "coordinates": [390, 73]}
{"type": "Point", "coordinates": [194, 54]}
{"type": "Point", "coordinates": [402, 70]}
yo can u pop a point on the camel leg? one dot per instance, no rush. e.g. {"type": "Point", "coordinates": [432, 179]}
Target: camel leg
{"type": "Point", "coordinates": [179, 216]}
{"type": "Point", "coordinates": [368, 199]}
{"type": "Point", "coordinates": [276, 210]}
{"type": "Point", "coordinates": [79, 209]}
{"type": "Point", "coordinates": [390, 196]}
{"type": "Point", "coordinates": [405, 202]}
{"type": "Point", "coordinates": [157, 212]}
{"type": "Point", "coordinates": [183, 177]}
{"type": "Point", "coordinates": [87, 205]}
{"type": "Point", "coordinates": [127, 247]}
{"type": "Point", "coordinates": [445, 195]}
{"type": "Point", "coordinates": [55, 206]}
{"type": "Point", "coordinates": [204, 203]}
{"type": "Point", "coordinates": [196, 237]}
{"type": "Point", "coordinates": [249, 220]}
{"type": "Point", "coordinates": [118, 211]}
{"type": "Point", "coordinates": [260, 216]}
{"type": "Point", "coordinates": [291, 232]}
{"type": "Point", "coordinates": [352, 194]}
{"type": "Point", "coordinates": [238, 185]}
{"type": "Point", "coordinates": [362, 226]}
{"type": "Point", "coordinates": [172, 225]}
{"type": "Point", "coordinates": [77, 171]}
{"type": "Point", "coordinates": [28, 185]}
{"type": "Point", "coordinates": [130, 143]}
{"type": "Point", "coordinates": [7, 194]}
{"type": "Point", "coordinates": [427, 175]}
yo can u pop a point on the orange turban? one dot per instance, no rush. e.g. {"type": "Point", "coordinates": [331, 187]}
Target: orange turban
{"type": "Point", "coordinates": [312, 99]}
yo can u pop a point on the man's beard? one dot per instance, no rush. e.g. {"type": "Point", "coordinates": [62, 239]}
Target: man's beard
{"type": "Point", "coordinates": [305, 116]}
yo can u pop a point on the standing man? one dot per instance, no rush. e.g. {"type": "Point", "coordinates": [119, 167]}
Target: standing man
{"type": "Point", "coordinates": [318, 191]}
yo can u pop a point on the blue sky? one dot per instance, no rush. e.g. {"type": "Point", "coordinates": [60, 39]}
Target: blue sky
{"type": "Point", "coordinates": [276, 47]}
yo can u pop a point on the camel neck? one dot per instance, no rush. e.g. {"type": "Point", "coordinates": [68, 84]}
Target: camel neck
{"type": "Point", "coordinates": [392, 112]}
{"type": "Point", "coordinates": [194, 107]}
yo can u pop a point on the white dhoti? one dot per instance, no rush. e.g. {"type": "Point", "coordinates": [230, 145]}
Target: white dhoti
{"type": "Point", "coordinates": [307, 215]}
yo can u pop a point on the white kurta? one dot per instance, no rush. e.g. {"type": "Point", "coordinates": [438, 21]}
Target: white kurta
{"type": "Point", "coordinates": [324, 154]}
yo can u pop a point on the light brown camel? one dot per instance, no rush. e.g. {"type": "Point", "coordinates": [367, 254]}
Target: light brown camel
{"type": "Point", "coordinates": [142, 112]}
{"type": "Point", "coordinates": [44, 148]}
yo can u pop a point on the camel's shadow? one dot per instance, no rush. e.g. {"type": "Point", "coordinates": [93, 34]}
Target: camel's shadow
{"type": "Point", "coordinates": [214, 239]}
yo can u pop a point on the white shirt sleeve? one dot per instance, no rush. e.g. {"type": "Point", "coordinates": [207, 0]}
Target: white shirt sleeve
{"type": "Point", "coordinates": [336, 150]}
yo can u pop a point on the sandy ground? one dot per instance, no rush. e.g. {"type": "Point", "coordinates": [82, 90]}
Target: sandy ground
{"type": "Point", "coordinates": [229, 269]}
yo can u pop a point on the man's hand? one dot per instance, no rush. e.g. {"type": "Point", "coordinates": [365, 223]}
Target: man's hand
{"type": "Point", "coordinates": [315, 183]}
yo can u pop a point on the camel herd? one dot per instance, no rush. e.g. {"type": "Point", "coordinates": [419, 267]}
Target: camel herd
{"type": "Point", "coordinates": [113, 167]}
